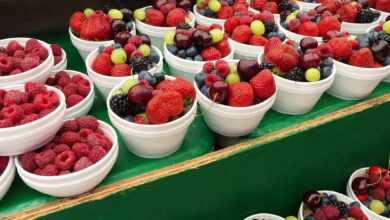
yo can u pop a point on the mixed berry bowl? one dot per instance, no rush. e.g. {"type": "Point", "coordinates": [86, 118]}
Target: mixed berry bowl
{"type": "Point", "coordinates": [7, 174]}
{"type": "Point", "coordinates": [277, 8]}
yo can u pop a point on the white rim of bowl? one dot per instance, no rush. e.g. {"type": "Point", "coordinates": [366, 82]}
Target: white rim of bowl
{"type": "Point", "coordinates": [62, 60]}
{"type": "Point", "coordinates": [361, 68]}
{"type": "Point", "coordinates": [318, 38]}
{"type": "Point", "coordinates": [195, 9]}
{"type": "Point", "coordinates": [190, 16]}
{"type": "Point", "coordinates": [7, 170]}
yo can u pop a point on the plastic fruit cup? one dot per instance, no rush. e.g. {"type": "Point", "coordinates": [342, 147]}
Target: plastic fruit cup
{"type": "Point", "coordinates": [361, 173]}
{"type": "Point", "coordinates": [62, 64]}
{"type": "Point", "coordinates": [86, 46]}
{"type": "Point", "coordinates": [152, 141]}
{"type": "Point", "coordinates": [339, 196]}
{"type": "Point", "coordinates": [354, 83]}
{"type": "Point", "coordinates": [157, 33]}
{"type": "Point", "coordinates": [204, 20]}
{"type": "Point", "coordinates": [7, 177]}
{"type": "Point", "coordinates": [24, 138]}
{"type": "Point", "coordinates": [105, 83]}
{"type": "Point", "coordinates": [246, 51]}
{"type": "Point", "coordinates": [232, 121]}
{"type": "Point", "coordinates": [188, 68]}
{"type": "Point", "coordinates": [357, 28]}
{"type": "Point", "coordinates": [387, 79]}
{"type": "Point", "coordinates": [37, 74]}
{"type": "Point", "coordinates": [307, 6]}
{"type": "Point", "coordinates": [78, 182]}
{"type": "Point", "coordinates": [264, 216]}
{"type": "Point", "coordinates": [294, 36]}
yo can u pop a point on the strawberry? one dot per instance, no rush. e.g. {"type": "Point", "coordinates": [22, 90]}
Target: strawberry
{"type": "Point", "coordinates": [329, 23]}
{"type": "Point", "coordinates": [271, 7]}
{"type": "Point", "coordinates": [308, 28]}
{"type": "Point", "coordinates": [284, 56]}
{"type": "Point", "coordinates": [179, 85]}
{"type": "Point", "coordinates": [211, 53]}
{"type": "Point", "coordinates": [348, 12]}
{"type": "Point", "coordinates": [231, 23]}
{"type": "Point", "coordinates": [154, 17]}
{"type": "Point", "coordinates": [76, 21]}
{"type": "Point", "coordinates": [96, 27]}
{"type": "Point", "coordinates": [330, 5]}
{"type": "Point", "coordinates": [383, 5]}
{"type": "Point", "coordinates": [258, 40]}
{"type": "Point", "coordinates": [164, 106]}
{"type": "Point", "coordinates": [272, 43]}
{"type": "Point", "coordinates": [121, 70]}
{"type": "Point", "coordinates": [258, 4]}
{"type": "Point", "coordinates": [242, 33]}
{"type": "Point", "coordinates": [102, 64]}
{"type": "Point", "coordinates": [224, 48]}
{"type": "Point", "coordinates": [166, 8]}
{"type": "Point", "coordinates": [225, 12]}
{"type": "Point", "coordinates": [175, 17]}
{"type": "Point", "coordinates": [341, 47]}
{"type": "Point", "coordinates": [246, 19]}
{"type": "Point", "coordinates": [362, 58]}
{"type": "Point", "coordinates": [263, 84]}
{"type": "Point", "coordinates": [240, 94]}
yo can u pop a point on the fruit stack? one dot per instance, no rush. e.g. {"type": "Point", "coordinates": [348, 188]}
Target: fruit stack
{"type": "Point", "coordinates": [371, 186]}
{"type": "Point", "coordinates": [277, 8]}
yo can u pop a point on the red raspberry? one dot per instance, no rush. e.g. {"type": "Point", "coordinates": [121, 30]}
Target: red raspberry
{"type": "Point", "coordinates": [120, 70]}
{"type": "Point", "coordinates": [211, 53]}
{"type": "Point", "coordinates": [329, 23]}
{"type": "Point", "coordinates": [231, 23]}
{"type": "Point", "coordinates": [41, 52]}
{"type": "Point", "coordinates": [65, 160]}
{"type": "Point", "coordinates": [88, 121]}
{"type": "Point", "coordinates": [28, 63]}
{"type": "Point", "coordinates": [383, 5]}
{"type": "Point", "coordinates": [82, 163]}
{"type": "Point", "coordinates": [57, 59]}
{"type": "Point", "coordinates": [56, 49]}
{"type": "Point", "coordinates": [20, 54]}
{"type": "Point", "coordinates": [224, 48]}
{"type": "Point", "coordinates": [348, 12]}
{"type": "Point", "coordinates": [166, 8]}
{"type": "Point", "coordinates": [70, 125]}
{"type": "Point", "coordinates": [294, 24]}
{"type": "Point", "coordinates": [102, 64]}
{"type": "Point", "coordinates": [163, 107]}
{"type": "Point", "coordinates": [179, 85]}
{"type": "Point", "coordinates": [97, 153]}
{"type": "Point", "coordinates": [27, 160]}
{"type": "Point", "coordinates": [211, 78]}
{"type": "Point", "coordinates": [29, 118]}
{"type": "Point", "coordinates": [84, 132]}
{"type": "Point", "coordinates": [47, 100]}
{"type": "Point", "coordinates": [225, 12]}
{"type": "Point", "coordinates": [136, 40]}
{"type": "Point", "coordinates": [208, 67]}
{"type": "Point", "coordinates": [81, 149]}
{"type": "Point", "coordinates": [49, 170]}
{"type": "Point", "coordinates": [48, 146]}
{"type": "Point", "coordinates": [154, 17]}
{"type": "Point", "coordinates": [63, 172]}
{"type": "Point", "coordinates": [63, 80]}
{"type": "Point", "coordinates": [16, 63]}
{"type": "Point", "coordinates": [34, 88]}
{"type": "Point", "coordinates": [175, 17]}
{"type": "Point", "coordinates": [76, 21]}
{"type": "Point", "coordinates": [246, 19]}
{"type": "Point", "coordinates": [99, 139]}
{"type": "Point", "coordinates": [6, 123]}
{"type": "Point", "coordinates": [84, 87]}
{"type": "Point", "coordinates": [45, 112]}
{"type": "Point", "coordinates": [69, 89]}
{"type": "Point", "coordinates": [240, 94]}
{"type": "Point", "coordinates": [6, 65]}
{"type": "Point", "coordinates": [59, 148]}
{"type": "Point", "coordinates": [99, 131]}
{"type": "Point", "coordinates": [69, 138]}
{"type": "Point", "coordinates": [31, 44]}
{"type": "Point", "coordinates": [129, 48]}
{"type": "Point", "coordinates": [263, 84]}
{"type": "Point", "coordinates": [73, 100]}
{"type": "Point", "coordinates": [258, 40]}
{"type": "Point", "coordinates": [13, 97]}
{"type": "Point", "coordinates": [13, 112]}
{"type": "Point", "coordinates": [284, 56]}
{"type": "Point", "coordinates": [45, 157]}
{"type": "Point", "coordinates": [309, 28]}
{"type": "Point", "coordinates": [258, 4]}
{"type": "Point", "coordinates": [222, 67]}
{"type": "Point", "coordinates": [50, 81]}
{"type": "Point", "coordinates": [76, 78]}
{"type": "Point", "coordinates": [241, 33]}
{"type": "Point", "coordinates": [3, 163]}
{"type": "Point", "coordinates": [13, 46]}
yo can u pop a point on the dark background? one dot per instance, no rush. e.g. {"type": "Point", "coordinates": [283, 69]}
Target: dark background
{"type": "Point", "coordinates": [19, 17]}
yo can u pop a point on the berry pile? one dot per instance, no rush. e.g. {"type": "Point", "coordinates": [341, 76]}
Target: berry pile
{"type": "Point", "coordinates": [101, 25]}
{"type": "Point", "coordinates": [3, 164]}
{"type": "Point", "coordinates": [129, 55]}
{"type": "Point", "coordinates": [323, 206]}
{"type": "Point", "coordinates": [222, 9]}
{"type": "Point", "coordinates": [253, 29]}
{"type": "Point", "coordinates": [165, 13]}
{"type": "Point", "coordinates": [18, 108]}
{"type": "Point", "coordinates": [275, 7]}
{"type": "Point", "coordinates": [316, 23]}
{"type": "Point", "coordinates": [15, 59]}
{"type": "Point", "coordinates": [373, 190]}
{"type": "Point", "coordinates": [381, 5]}
{"type": "Point", "coordinates": [198, 44]}
{"type": "Point", "coordinates": [79, 144]}
{"type": "Point", "coordinates": [152, 99]}
{"type": "Point", "coordinates": [57, 53]}
{"type": "Point", "coordinates": [239, 85]}
{"type": "Point", "coordinates": [75, 88]}
{"type": "Point", "coordinates": [351, 11]}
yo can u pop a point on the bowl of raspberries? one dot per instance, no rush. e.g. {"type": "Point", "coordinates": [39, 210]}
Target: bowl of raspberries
{"type": "Point", "coordinates": [110, 65]}
{"type": "Point", "coordinates": [7, 174]}
{"type": "Point", "coordinates": [234, 95]}
{"type": "Point", "coordinates": [383, 31]}
{"type": "Point", "coordinates": [370, 186]}
{"type": "Point", "coordinates": [152, 113]}
{"type": "Point", "coordinates": [264, 216]}
{"type": "Point", "coordinates": [360, 65]}
{"type": "Point", "coordinates": [90, 29]}
{"type": "Point", "coordinates": [75, 161]}
{"type": "Point", "coordinates": [78, 90]}
{"type": "Point", "coordinates": [277, 8]}
{"type": "Point", "coordinates": [318, 23]}
{"type": "Point", "coordinates": [249, 33]}
{"type": "Point", "coordinates": [60, 61]}
{"type": "Point", "coordinates": [330, 205]}
{"type": "Point", "coordinates": [208, 12]}
{"type": "Point", "coordinates": [186, 50]}
{"type": "Point", "coordinates": [23, 60]}
{"type": "Point", "coordinates": [31, 114]}
{"type": "Point", "coordinates": [163, 16]}
{"type": "Point", "coordinates": [303, 72]}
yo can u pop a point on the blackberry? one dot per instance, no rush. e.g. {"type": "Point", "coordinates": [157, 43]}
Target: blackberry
{"type": "Point", "coordinates": [366, 16]}
{"type": "Point", "coordinates": [296, 74]}
{"type": "Point", "coordinates": [120, 104]}
{"type": "Point", "coordinates": [266, 66]}
{"type": "Point", "coordinates": [343, 207]}
{"type": "Point", "coordinates": [269, 27]}
{"type": "Point", "coordinates": [383, 36]}
{"type": "Point", "coordinates": [140, 63]}
{"type": "Point", "coordinates": [285, 6]}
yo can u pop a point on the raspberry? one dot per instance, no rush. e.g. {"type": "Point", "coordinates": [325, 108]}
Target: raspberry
{"type": "Point", "coordinates": [258, 4]}
{"type": "Point", "coordinates": [69, 89]}
{"type": "Point", "coordinates": [47, 100]}
{"type": "Point", "coordinates": [13, 46]}
{"type": "Point", "coordinates": [309, 28]}
{"type": "Point", "coordinates": [164, 106]}
{"type": "Point", "coordinates": [348, 12]}
{"type": "Point", "coordinates": [223, 48]}
{"type": "Point", "coordinates": [76, 21]}
{"type": "Point", "coordinates": [81, 149]}
{"type": "Point", "coordinates": [41, 52]}
{"type": "Point", "coordinates": [49, 170]}
{"type": "Point", "coordinates": [154, 17]}
{"type": "Point", "coordinates": [179, 85]}
{"type": "Point", "coordinates": [13, 97]}
{"type": "Point", "coordinates": [70, 125]}
{"type": "Point", "coordinates": [29, 118]}
{"type": "Point", "coordinates": [211, 53]}
{"type": "Point", "coordinates": [129, 48]}
{"type": "Point", "coordinates": [6, 65]}
{"type": "Point", "coordinates": [240, 94]}
{"type": "Point", "coordinates": [136, 40]}
{"type": "Point", "coordinates": [59, 148]}
{"type": "Point", "coordinates": [379, 193]}
{"type": "Point", "coordinates": [120, 70]}
{"type": "Point", "coordinates": [63, 80]}
{"type": "Point", "coordinates": [57, 59]}
{"type": "Point", "coordinates": [82, 163]}
{"type": "Point", "coordinates": [65, 160]}
{"type": "Point", "coordinates": [175, 17]}
{"type": "Point", "coordinates": [284, 56]}
{"type": "Point", "coordinates": [84, 132]}
{"type": "Point", "coordinates": [28, 63]}
{"type": "Point", "coordinates": [83, 88]}
{"type": "Point", "coordinates": [51, 81]}
{"type": "Point", "coordinates": [31, 44]}
{"type": "Point", "coordinates": [16, 63]}
{"type": "Point", "coordinates": [208, 67]}
{"type": "Point", "coordinates": [45, 112]}
{"type": "Point", "coordinates": [271, 7]}
{"type": "Point", "coordinates": [33, 89]}
{"type": "Point", "coordinates": [263, 84]}
{"type": "Point", "coordinates": [73, 100]}
{"type": "Point", "coordinates": [48, 146]}
{"type": "Point", "coordinates": [63, 172]}
{"type": "Point", "coordinates": [211, 78]}
{"type": "Point", "coordinates": [88, 121]}
{"type": "Point", "coordinates": [13, 112]}
{"type": "Point", "coordinates": [45, 157]}
{"type": "Point", "coordinates": [56, 49]}
{"type": "Point", "coordinates": [20, 54]}
{"type": "Point", "coordinates": [222, 67]}
{"type": "Point", "coordinates": [3, 163]}
{"type": "Point", "coordinates": [76, 78]}
{"type": "Point", "coordinates": [166, 8]}
{"type": "Point", "coordinates": [69, 138]}
{"type": "Point", "coordinates": [99, 139]}
{"type": "Point", "coordinates": [96, 153]}
{"type": "Point", "coordinates": [6, 123]}
{"type": "Point", "coordinates": [27, 160]}
{"type": "Point", "coordinates": [241, 33]}
{"type": "Point", "coordinates": [102, 64]}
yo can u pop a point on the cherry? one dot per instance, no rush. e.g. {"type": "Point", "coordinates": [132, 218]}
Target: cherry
{"type": "Point", "coordinates": [359, 185]}
{"type": "Point", "coordinates": [248, 68]}
{"type": "Point", "coordinates": [185, 4]}
{"type": "Point", "coordinates": [308, 43]}
{"type": "Point", "coordinates": [309, 60]}
{"type": "Point", "coordinates": [183, 41]}
{"type": "Point", "coordinates": [118, 26]}
{"type": "Point", "coordinates": [202, 39]}
{"type": "Point", "coordinates": [385, 183]}
{"type": "Point", "coordinates": [219, 91]}
{"type": "Point", "coordinates": [140, 94]}
{"type": "Point", "coordinates": [312, 199]}
{"type": "Point", "coordinates": [122, 37]}
{"type": "Point", "coordinates": [375, 173]}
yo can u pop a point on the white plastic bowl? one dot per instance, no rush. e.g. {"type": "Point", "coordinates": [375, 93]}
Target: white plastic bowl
{"type": "Point", "coordinates": [7, 177]}
{"type": "Point", "coordinates": [84, 47]}
{"type": "Point", "coordinates": [23, 138]}
{"type": "Point", "coordinates": [294, 36]}
{"type": "Point", "coordinates": [62, 64]}
{"type": "Point", "coordinates": [246, 51]}
{"type": "Point", "coordinates": [357, 28]}
{"type": "Point", "coordinates": [152, 141]}
{"type": "Point", "coordinates": [307, 6]}
{"type": "Point", "coordinates": [264, 216]}
{"type": "Point", "coordinates": [156, 33]}
{"type": "Point", "coordinates": [203, 20]}
{"type": "Point", "coordinates": [361, 173]}
{"type": "Point", "coordinates": [383, 14]}
{"type": "Point", "coordinates": [105, 83]}
{"type": "Point", "coordinates": [78, 182]}
{"type": "Point", "coordinates": [37, 74]}
{"type": "Point", "coordinates": [354, 83]}
{"type": "Point", "coordinates": [188, 68]}
{"type": "Point", "coordinates": [339, 196]}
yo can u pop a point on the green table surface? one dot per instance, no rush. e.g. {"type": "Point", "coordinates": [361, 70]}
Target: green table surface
{"type": "Point", "coordinates": [199, 140]}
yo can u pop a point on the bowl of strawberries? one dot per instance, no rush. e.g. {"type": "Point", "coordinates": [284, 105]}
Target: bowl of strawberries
{"type": "Point", "coordinates": [249, 33]}
{"type": "Point", "coordinates": [277, 8]}
{"type": "Point", "coordinates": [152, 113]}
{"type": "Point", "coordinates": [208, 12]}
{"type": "Point", "coordinates": [60, 60]}
{"type": "Point", "coordinates": [234, 95]}
{"type": "Point", "coordinates": [370, 186]}
{"type": "Point", "coordinates": [360, 65]}
{"type": "Point", "coordinates": [23, 60]}
{"type": "Point", "coordinates": [90, 29]}
{"type": "Point", "coordinates": [161, 17]}
{"type": "Point", "coordinates": [31, 115]}
{"type": "Point", "coordinates": [7, 174]}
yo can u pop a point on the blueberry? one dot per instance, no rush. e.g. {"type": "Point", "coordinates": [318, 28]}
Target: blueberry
{"type": "Point", "coordinates": [367, 203]}
{"type": "Point", "coordinates": [116, 46]}
{"type": "Point", "coordinates": [325, 201]}
{"type": "Point", "coordinates": [333, 198]}
{"type": "Point", "coordinates": [129, 118]}
{"type": "Point", "coordinates": [154, 58]}
{"type": "Point", "coordinates": [159, 77]}
{"type": "Point", "coordinates": [363, 41]}
{"type": "Point", "coordinates": [192, 51]}
{"type": "Point", "coordinates": [172, 48]}
{"type": "Point", "coordinates": [198, 58]}
{"type": "Point", "coordinates": [199, 79]}
{"type": "Point", "coordinates": [295, 7]}
{"type": "Point", "coordinates": [272, 34]}
{"type": "Point", "coordinates": [327, 62]}
{"type": "Point", "coordinates": [205, 90]}
{"type": "Point", "coordinates": [130, 25]}
{"type": "Point", "coordinates": [181, 53]}
{"type": "Point", "coordinates": [326, 72]}
{"type": "Point", "coordinates": [281, 36]}
{"type": "Point", "coordinates": [145, 75]}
